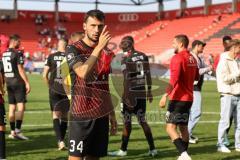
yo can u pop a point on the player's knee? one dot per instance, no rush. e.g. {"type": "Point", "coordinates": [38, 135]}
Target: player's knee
{"type": "Point", "coordinates": [170, 128]}
{"type": "Point", "coordinates": [2, 128]}
{"type": "Point", "coordinates": [56, 115]}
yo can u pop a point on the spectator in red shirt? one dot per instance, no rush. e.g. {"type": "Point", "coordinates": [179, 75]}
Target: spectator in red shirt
{"type": "Point", "coordinates": [183, 73]}
{"type": "Point", "coordinates": [4, 43]}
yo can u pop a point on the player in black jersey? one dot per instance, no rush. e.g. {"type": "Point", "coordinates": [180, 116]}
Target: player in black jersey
{"type": "Point", "coordinates": [2, 116]}
{"type": "Point", "coordinates": [136, 72]}
{"type": "Point", "coordinates": [17, 85]}
{"type": "Point", "coordinates": [59, 102]}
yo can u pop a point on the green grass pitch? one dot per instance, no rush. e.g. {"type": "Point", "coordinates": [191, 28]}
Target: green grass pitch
{"type": "Point", "coordinates": [42, 144]}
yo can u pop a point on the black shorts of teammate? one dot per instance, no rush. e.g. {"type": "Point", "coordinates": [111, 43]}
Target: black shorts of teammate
{"type": "Point", "coordinates": [138, 110]}
{"type": "Point", "coordinates": [178, 112]}
{"type": "Point", "coordinates": [2, 115]}
{"type": "Point", "coordinates": [16, 94]}
{"type": "Point", "coordinates": [58, 102]}
{"type": "Point", "coordinates": [88, 137]}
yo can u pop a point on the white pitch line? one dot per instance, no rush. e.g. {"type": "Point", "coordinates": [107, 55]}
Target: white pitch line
{"type": "Point", "coordinates": [40, 112]}
{"type": "Point", "coordinates": [134, 123]}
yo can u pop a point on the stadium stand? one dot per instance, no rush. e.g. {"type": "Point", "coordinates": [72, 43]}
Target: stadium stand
{"type": "Point", "coordinates": [152, 38]}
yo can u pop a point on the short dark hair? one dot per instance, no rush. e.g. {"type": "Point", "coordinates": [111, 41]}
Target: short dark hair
{"type": "Point", "coordinates": [99, 15]}
{"type": "Point", "coordinates": [226, 38]}
{"type": "Point", "coordinates": [183, 39]}
{"type": "Point", "coordinates": [198, 42]}
{"type": "Point", "coordinates": [80, 33]}
{"type": "Point", "coordinates": [233, 43]}
{"type": "Point", "coordinates": [64, 40]}
{"type": "Point", "coordinates": [14, 37]}
{"type": "Point", "coordinates": [127, 43]}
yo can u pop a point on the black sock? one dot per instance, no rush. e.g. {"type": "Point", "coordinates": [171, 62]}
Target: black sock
{"type": "Point", "coordinates": [124, 145]}
{"type": "Point", "coordinates": [19, 124]}
{"type": "Point", "coordinates": [185, 145]}
{"type": "Point", "coordinates": [57, 129]}
{"type": "Point", "coordinates": [63, 129]}
{"type": "Point", "coordinates": [126, 135]}
{"type": "Point", "coordinates": [179, 145]}
{"type": "Point", "coordinates": [148, 135]}
{"type": "Point", "coordinates": [12, 126]}
{"type": "Point", "coordinates": [2, 145]}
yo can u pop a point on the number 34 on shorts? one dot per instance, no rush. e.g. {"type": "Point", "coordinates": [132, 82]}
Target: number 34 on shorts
{"type": "Point", "coordinates": [76, 146]}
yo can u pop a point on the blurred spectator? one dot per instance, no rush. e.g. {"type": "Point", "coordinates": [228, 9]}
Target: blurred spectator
{"type": "Point", "coordinates": [60, 31]}
{"type": "Point", "coordinates": [38, 56]}
{"type": "Point", "coordinates": [28, 65]}
{"type": "Point", "coordinates": [63, 19]}
{"type": "Point", "coordinates": [5, 18]}
{"type": "Point", "coordinates": [217, 19]}
{"type": "Point", "coordinates": [42, 43]}
{"type": "Point", "coordinates": [45, 32]}
{"type": "Point", "coordinates": [39, 19]}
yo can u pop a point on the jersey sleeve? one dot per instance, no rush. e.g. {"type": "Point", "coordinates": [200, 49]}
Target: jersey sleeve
{"type": "Point", "coordinates": [73, 56]}
{"type": "Point", "coordinates": [20, 59]}
{"type": "Point", "coordinates": [148, 73]}
{"type": "Point", "coordinates": [1, 67]}
{"type": "Point", "coordinates": [48, 61]}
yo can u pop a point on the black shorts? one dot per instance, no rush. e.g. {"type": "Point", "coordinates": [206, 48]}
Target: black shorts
{"type": "Point", "coordinates": [88, 137]}
{"type": "Point", "coordinates": [139, 110]}
{"type": "Point", "coordinates": [178, 112]}
{"type": "Point", "coordinates": [3, 119]}
{"type": "Point", "coordinates": [16, 94]}
{"type": "Point", "coordinates": [58, 102]}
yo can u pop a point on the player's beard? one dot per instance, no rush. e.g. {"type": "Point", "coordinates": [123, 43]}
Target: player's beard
{"type": "Point", "coordinates": [91, 39]}
{"type": "Point", "coordinates": [175, 50]}
{"type": "Point", "coordinates": [17, 46]}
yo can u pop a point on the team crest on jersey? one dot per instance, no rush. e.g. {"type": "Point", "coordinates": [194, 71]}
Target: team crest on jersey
{"type": "Point", "coordinates": [191, 60]}
{"type": "Point", "coordinates": [70, 56]}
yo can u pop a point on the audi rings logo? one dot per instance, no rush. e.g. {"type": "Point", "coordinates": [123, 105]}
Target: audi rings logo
{"type": "Point", "coordinates": [130, 17]}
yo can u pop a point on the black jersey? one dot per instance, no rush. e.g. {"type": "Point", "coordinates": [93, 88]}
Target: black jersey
{"type": "Point", "coordinates": [136, 72]}
{"type": "Point", "coordinates": [54, 63]}
{"type": "Point", "coordinates": [11, 59]}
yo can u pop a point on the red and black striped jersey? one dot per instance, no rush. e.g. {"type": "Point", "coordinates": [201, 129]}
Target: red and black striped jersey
{"type": "Point", "coordinates": [90, 97]}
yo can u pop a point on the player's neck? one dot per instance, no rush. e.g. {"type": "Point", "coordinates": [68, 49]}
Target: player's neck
{"type": "Point", "coordinates": [181, 49]}
{"type": "Point", "coordinates": [61, 49]}
{"type": "Point", "coordinates": [89, 42]}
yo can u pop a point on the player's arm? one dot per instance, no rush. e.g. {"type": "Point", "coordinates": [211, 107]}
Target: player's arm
{"type": "Point", "coordinates": [83, 69]}
{"type": "Point", "coordinates": [45, 75]}
{"type": "Point", "coordinates": [205, 69]}
{"type": "Point", "coordinates": [113, 122]}
{"type": "Point", "coordinates": [225, 75]}
{"type": "Point", "coordinates": [24, 77]}
{"type": "Point", "coordinates": [1, 85]}
{"type": "Point", "coordinates": [149, 81]}
{"type": "Point", "coordinates": [22, 72]}
{"type": "Point", "coordinates": [175, 70]}
{"type": "Point", "coordinates": [66, 78]}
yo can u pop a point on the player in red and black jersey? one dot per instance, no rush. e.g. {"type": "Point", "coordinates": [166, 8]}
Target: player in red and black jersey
{"type": "Point", "coordinates": [136, 73]}
{"type": "Point", "coordinates": [91, 107]}
{"type": "Point", "coordinates": [58, 99]}
{"type": "Point", "coordinates": [17, 85]}
{"type": "Point", "coordinates": [183, 73]}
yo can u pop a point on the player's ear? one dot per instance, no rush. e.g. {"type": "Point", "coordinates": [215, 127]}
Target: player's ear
{"type": "Point", "coordinates": [84, 26]}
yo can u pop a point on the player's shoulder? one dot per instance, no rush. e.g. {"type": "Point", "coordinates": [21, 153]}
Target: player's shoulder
{"type": "Point", "coordinates": [139, 53]}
